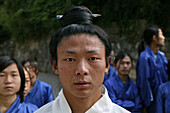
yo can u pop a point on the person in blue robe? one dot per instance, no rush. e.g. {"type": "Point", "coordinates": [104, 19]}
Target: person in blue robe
{"type": "Point", "coordinates": [163, 96]}
{"type": "Point", "coordinates": [23, 107]}
{"type": "Point", "coordinates": [151, 67]}
{"type": "Point", "coordinates": [121, 89]}
{"type": "Point", "coordinates": [112, 72]}
{"type": "Point", "coordinates": [12, 82]}
{"type": "Point", "coordinates": [41, 92]}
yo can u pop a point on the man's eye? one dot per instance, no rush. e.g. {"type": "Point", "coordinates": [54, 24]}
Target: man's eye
{"type": "Point", "coordinates": [27, 81]}
{"type": "Point", "coordinates": [70, 59]}
{"type": "Point", "coordinates": [2, 75]}
{"type": "Point", "coordinates": [93, 58]}
{"type": "Point", "coordinates": [121, 62]}
{"type": "Point", "coordinates": [14, 75]}
{"type": "Point", "coordinates": [128, 63]}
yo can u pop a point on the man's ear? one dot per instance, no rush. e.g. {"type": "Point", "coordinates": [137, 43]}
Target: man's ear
{"type": "Point", "coordinates": [36, 71]}
{"type": "Point", "coordinates": [154, 38]}
{"type": "Point", "coordinates": [54, 66]}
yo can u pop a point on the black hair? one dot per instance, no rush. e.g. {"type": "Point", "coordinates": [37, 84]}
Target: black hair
{"type": "Point", "coordinates": [121, 55]}
{"type": "Point", "coordinates": [28, 72]}
{"type": "Point", "coordinates": [5, 61]}
{"type": "Point", "coordinates": [32, 62]}
{"type": "Point", "coordinates": [77, 15]}
{"type": "Point", "coordinates": [148, 33]}
{"type": "Point", "coordinates": [77, 20]}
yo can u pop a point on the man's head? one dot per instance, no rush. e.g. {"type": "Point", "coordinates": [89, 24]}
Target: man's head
{"type": "Point", "coordinates": [32, 66]}
{"type": "Point", "coordinates": [154, 36]}
{"type": "Point", "coordinates": [27, 82]}
{"type": "Point", "coordinates": [81, 22]}
{"type": "Point", "coordinates": [159, 40]}
{"type": "Point", "coordinates": [123, 63]}
{"type": "Point", "coordinates": [11, 72]}
{"type": "Point", "coordinates": [78, 54]}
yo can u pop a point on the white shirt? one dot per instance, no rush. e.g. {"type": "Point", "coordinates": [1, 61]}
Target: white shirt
{"type": "Point", "coordinates": [103, 105]}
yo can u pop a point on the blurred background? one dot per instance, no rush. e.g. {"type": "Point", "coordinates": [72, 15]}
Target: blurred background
{"type": "Point", "coordinates": [26, 26]}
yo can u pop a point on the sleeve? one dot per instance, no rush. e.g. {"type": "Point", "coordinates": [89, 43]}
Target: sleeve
{"type": "Point", "coordinates": [143, 81]}
{"type": "Point", "coordinates": [165, 75]}
{"type": "Point", "coordinates": [50, 96]}
{"type": "Point", "coordinates": [159, 101]}
{"type": "Point", "coordinates": [138, 102]}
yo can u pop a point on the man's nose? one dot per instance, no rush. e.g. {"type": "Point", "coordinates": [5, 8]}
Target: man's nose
{"type": "Point", "coordinates": [8, 79]}
{"type": "Point", "coordinates": [82, 68]}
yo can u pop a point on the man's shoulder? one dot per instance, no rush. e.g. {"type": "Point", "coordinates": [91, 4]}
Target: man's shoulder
{"type": "Point", "coordinates": [43, 83]}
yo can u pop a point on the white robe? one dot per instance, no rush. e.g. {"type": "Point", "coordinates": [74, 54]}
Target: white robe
{"type": "Point", "coordinates": [103, 105]}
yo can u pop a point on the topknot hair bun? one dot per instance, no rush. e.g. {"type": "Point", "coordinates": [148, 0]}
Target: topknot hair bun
{"type": "Point", "coordinates": [77, 15]}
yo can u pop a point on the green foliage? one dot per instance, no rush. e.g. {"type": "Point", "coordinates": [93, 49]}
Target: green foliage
{"type": "Point", "coordinates": [4, 34]}
{"type": "Point", "coordinates": [30, 19]}
{"type": "Point", "coordinates": [35, 19]}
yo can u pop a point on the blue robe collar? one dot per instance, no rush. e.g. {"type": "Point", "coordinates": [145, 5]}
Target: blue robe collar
{"type": "Point", "coordinates": [15, 106]}
{"type": "Point", "coordinates": [34, 89]}
{"type": "Point", "coordinates": [120, 81]}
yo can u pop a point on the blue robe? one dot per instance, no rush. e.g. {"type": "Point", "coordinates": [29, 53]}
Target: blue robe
{"type": "Point", "coordinates": [163, 98]}
{"type": "Point", "coordinates": [40, 94]}
{"type": "Point", "coordinates": [151, 72]}
{"type": "Point", "coordinates": [125, 95]}
{"type": "Point", "coordinates": [18, 107]}
{"type": "Point", "coordinates": [112, 72]}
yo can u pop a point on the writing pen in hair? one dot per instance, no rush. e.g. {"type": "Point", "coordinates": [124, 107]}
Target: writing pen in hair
{"type": "Point", "coordinates": [94, 15]}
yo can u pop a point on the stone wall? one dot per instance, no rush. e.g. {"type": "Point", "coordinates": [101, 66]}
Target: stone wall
{"type": "Point", "coordinates": [38, 50]}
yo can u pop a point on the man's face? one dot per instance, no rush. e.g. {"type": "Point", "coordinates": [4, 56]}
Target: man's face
{"type": "Point", "coordinates": [124, 66]}
{"type": "Point", "coordinates": [81, 65]}
{"type": "Point", "coordinates": [31, 69]}
{"type": "Point", "coordinates": [10, 80]}
{"type": "Point", "coordinates": [160, 40]}
{"type": "Point", "coordinates": [27, 83]}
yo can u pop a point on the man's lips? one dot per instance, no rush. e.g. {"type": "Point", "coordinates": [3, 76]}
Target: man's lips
{"type": "Point", "coordinates": [82, 84]}
{"type": "Point", "coordinates": [125, 70]}
{"type": "Point", "coordinates": [8, 87]}
{"type": "Point", "coordinates": [25, 91]}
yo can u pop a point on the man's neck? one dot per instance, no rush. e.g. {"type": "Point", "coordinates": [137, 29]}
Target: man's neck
{"type": "Point", "coordinates": [153, 48]}
{"type": "Point", "coordinates": [33, 83]}
{"type": "Point", "coordinates": [123, 78]}
{"type": "Point", "coordinates": [81, 105]}
{"type": "Point", "coordinates": [6, 102]}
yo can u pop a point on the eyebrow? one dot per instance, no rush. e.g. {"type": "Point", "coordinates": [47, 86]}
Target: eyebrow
{"type": "Point", "coordinates": [9, 72]}
{"type": "Point", "coordinates": [72, 52]}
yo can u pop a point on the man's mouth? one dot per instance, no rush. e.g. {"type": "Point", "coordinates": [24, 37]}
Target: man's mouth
{"type": "Point", "coordinates": [82, 84]}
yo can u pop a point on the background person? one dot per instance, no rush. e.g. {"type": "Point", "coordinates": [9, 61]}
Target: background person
{"type": "Point", "coordinates": [41, 92]}
{"type": "Point", "coordinates": [151, 66]}
{"type": "Point", "coordinates": [122, 90]}
{"type": "Point", "coordinates": [12, 82]}
{"type": "Point", "coordinates": [27, 83]}
{"type": "Point", "coordinates": [163, 97]}
{"type": "Point", "coordinates": [79, 54]}
{"type": "Point", "coordinates": [112, 71]}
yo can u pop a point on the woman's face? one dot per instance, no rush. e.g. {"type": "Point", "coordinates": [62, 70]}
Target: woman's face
{"type": "Point", "coordinates": [10, 80]}
{"type": "Point", "coordinates": [27, 83]}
